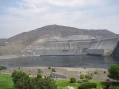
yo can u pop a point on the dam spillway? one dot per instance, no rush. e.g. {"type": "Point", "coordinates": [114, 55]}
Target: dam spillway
{"type": "Point", "coordinates": [103, 47]}
{"type": "Point", "coordinates": [72, 45]}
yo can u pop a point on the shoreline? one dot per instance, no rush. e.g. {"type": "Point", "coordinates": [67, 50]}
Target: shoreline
{"type": "Point", "coordinates": [98, 73]}
{"type": "Point", "coordinates": [75, 69]}
{"type": "Point", "coordinates": [78, 69]}
{"type": "Point", "coordinates": [9, 56]}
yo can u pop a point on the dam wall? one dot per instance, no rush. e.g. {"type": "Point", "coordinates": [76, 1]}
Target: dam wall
{"type": "Point", "coordinates": [74, 45]}
{"type": "Point", "coordinates": [115, 53]}
{"type": "Point", "coordinates": [95, 52]}
{"type": "Point", "coordinates": [56, 52]}
{"type": "Point", "coordinates": [103, 47]}
{"type": "Point", "coordinates": [60, 48]}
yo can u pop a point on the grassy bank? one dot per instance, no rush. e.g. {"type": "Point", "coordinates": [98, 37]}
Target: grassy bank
{"type": "Point", "coordinates": [62, 84]}
{"type": "Point", "coordinates": [6, 83]}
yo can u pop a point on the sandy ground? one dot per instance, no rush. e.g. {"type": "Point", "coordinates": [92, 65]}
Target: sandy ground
{"type": "Point", "coordinates": [71, 72]}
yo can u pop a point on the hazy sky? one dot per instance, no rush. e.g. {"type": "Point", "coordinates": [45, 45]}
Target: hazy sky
{"type": "Point", "coordinates": [18, 16]}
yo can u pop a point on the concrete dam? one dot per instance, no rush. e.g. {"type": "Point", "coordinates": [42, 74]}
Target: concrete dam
{"type": "Point", "coordinates": [72, 45]}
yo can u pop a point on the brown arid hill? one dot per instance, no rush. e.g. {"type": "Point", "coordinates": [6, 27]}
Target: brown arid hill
{"type": "Point", "coordinates": [19, 42]}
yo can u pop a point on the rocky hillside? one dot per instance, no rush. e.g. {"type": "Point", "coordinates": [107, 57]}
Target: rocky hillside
{"type": "Point", "coordinates": [2, 42]}
{"type": "Point", "coordinates": [17, 43]}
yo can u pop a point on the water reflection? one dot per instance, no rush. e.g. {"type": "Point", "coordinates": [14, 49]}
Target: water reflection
{"type": "Point", "coordinates": [60, 61]}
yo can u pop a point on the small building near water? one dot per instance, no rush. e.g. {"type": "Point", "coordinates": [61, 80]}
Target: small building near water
{"type": "Point", "coordinates": [58, 75]}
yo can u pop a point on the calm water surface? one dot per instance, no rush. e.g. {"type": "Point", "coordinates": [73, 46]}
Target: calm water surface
{"type": "Point", "coordinates": [60, 61]}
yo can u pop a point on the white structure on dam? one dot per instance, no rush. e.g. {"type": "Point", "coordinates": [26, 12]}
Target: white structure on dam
{"type": "Point", "coordinates": [72, 45]}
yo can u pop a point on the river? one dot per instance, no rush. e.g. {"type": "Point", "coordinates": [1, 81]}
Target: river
{"type": "Point", "coordinates": [83, 61]}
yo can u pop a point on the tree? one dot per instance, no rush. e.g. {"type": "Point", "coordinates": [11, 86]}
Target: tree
{"type": "Point", "coordinates": [107, 85]}
{"type": "Point", "coordinates": [44, 83]}
{"type": "Point", "coordinates": [48, 83]}
{"type": "Point", "coordinates": [72, 80]}
{"type": "Point", "coordinates": [21, 80]}
{"type": "Point", "coordinates": [114, 72]}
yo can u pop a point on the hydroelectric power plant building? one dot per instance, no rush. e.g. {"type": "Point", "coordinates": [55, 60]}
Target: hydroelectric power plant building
{"type": "Point", "coordinates": [72, 45]}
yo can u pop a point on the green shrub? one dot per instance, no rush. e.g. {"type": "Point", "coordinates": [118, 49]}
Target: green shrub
{"type": "Point", "coordinates": [96, 72]}
{"type": "Point", "coordinates": [79, 81]}
{"type": "Point", "coordinates": [39, 71]}
{"type": "Point", "coordinates": [39, 75]}
{"type": "Point", "coordinates": [84, 80]}
{"type": "Point", "coordinates": [72, 80]}
{"type": "Point", "coordinates": [85, 76]}
{"type": "Point", "coordinates": [87, 86]}
{"type": "Point", "coordinates": [3, 67]}
{"type": "Point", "coordinates": [53, 70]}
{"type": "Point", "coordinates": [104, 72]}
{"type": "Point", "coordinates": [49, 67]}
{"type": "Point", "coordinates": [88, 76]}
{"type": "Point", "coordinates": [82, 76]}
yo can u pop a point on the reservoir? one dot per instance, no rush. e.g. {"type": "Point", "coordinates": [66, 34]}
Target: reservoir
{"type": "Point", "coordinates": [83, 61]}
